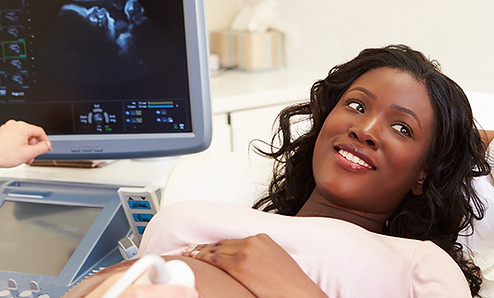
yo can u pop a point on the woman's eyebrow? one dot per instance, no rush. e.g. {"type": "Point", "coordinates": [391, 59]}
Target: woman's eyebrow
{"type": "Point", "coordinates": [363, 90]}
{"type": "Point", "coordinates": [394, 106]}
{"type": "Point", "coordinates": [407, 111]}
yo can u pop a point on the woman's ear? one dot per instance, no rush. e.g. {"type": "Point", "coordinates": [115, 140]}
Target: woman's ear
{"type": "Point", "coordinates": [417, 187]}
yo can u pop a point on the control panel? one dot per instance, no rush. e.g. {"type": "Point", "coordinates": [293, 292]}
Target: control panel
{"type": "Point", "coordinates": [75, 226]}
{"type": "Point", "coordinates": [140, 205]}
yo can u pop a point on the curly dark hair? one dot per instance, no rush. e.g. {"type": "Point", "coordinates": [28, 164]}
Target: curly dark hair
{"type": "Point", "coordinates": [449, 203]}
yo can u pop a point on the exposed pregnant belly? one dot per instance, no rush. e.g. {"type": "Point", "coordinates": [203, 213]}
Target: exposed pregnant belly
{"type": "Point", "coordinates": [210, 281]}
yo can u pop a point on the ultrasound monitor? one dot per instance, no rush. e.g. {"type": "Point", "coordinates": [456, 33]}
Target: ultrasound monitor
{"type": "Point", "coordinates": [107, 79]}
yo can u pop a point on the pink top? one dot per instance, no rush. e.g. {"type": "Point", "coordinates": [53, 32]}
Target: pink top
{"type": "Point", "coordinates": [344, 259]}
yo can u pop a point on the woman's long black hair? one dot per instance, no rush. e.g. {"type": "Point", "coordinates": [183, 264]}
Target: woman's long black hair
{"type": "Point", "coordinates": [449, 203]}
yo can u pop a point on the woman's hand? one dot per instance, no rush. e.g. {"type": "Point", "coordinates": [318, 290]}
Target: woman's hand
{"type": "Point", "coordinates": [260, 264]}
{"type": "Point", "coordinates": [21, 142]}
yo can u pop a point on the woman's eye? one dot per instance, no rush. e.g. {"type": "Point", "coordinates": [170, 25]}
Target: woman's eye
{"type": "Point", "coordinates": [403, 129]}
{"type": "Point", "coordinates": [356, 106]}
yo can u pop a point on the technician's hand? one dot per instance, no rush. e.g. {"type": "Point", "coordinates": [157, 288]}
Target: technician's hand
{"type": "Point", "coordinates": [260, 264]}
{"type": "Point", "coordinates": [21, 142]}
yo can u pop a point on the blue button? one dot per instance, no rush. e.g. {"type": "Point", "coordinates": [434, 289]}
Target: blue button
{"type": "Point", "coordinates": [141, 230]}
{"type": "Point", "coordinates": [139, 205]}
{"type": "Point", "coordinates": [142, 217]}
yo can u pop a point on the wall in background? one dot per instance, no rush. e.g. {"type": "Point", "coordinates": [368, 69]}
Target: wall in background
{"type": "Point", "coordinates": [322, 33]}
{"type": "Point", "coordinates": [220, 13]}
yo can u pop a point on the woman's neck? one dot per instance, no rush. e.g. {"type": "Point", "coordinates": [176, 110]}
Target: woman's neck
{"type": "Point", "coordinates": [317, 206]}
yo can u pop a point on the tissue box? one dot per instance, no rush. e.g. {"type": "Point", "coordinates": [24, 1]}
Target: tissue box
{"type": "Point", "coordinates": [247, 50]}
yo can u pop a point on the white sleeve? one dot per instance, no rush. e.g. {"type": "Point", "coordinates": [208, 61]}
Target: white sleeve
{"type": "Point", "coordinates": [435, 274]}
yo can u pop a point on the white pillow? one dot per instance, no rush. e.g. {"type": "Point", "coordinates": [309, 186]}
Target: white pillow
{"type": "Point", "coordinates": [227, 177]}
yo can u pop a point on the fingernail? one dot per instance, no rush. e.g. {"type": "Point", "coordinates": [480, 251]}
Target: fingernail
{"type": "Point", "coordinates": [194, 253]}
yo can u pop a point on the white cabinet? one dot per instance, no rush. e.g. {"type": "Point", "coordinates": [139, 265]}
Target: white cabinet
{"type": "Point", "coordinates": [245, 104]}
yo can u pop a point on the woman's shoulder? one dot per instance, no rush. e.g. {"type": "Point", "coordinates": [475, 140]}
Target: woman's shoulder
{"type": "Point", "coordinates": [434, 273]}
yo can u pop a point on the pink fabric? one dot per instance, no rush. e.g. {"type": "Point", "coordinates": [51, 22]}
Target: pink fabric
{"type": "Point", "coordinates": [344, 259]}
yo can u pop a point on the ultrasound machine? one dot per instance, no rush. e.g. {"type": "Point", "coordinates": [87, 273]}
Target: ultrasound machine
{"type": "Point", "coordinates": [106, 79]}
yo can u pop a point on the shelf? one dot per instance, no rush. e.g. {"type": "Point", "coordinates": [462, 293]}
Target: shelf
{"type": "Point", "coordinates": [239, 90]}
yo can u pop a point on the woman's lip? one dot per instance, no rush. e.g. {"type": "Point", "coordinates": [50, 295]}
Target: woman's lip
{"type": "Point", "coordinates": [358, 152]}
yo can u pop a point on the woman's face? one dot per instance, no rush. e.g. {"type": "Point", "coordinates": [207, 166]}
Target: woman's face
{"type": "Point", "coordinates": [372, 148]}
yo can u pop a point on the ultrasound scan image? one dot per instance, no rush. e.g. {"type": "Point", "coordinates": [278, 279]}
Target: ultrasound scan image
{"type": "Point", "coordinates": [103, 42]}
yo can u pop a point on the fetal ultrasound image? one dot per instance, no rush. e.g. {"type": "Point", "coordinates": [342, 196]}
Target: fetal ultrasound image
{"type": "Point", "coordinates": [103, 42]}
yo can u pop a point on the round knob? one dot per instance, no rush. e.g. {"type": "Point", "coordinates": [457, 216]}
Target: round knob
{"type": "Point", "coordinates": [98, 117]}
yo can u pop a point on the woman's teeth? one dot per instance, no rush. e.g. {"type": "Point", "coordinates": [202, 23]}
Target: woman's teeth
{"type": "Point", "coordinates": [353, 158]}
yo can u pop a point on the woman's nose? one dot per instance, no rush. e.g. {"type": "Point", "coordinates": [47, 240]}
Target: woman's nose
{"type": "Point", "coordinates": [367, 131]}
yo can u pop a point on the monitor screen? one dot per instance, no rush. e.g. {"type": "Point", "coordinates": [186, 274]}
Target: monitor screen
{"type": "Point", "coordinates": [40, 238]}
{"type": "Point", "coordinates": [107, 78]}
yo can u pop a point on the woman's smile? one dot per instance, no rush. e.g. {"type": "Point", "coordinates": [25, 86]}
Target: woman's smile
{"type": "Point", "coordinates": [355, 159]}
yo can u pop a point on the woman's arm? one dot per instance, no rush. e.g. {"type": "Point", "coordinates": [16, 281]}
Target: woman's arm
{"type": "Point", "coordinates": [260, 264]}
